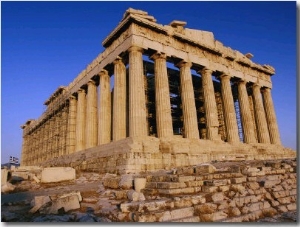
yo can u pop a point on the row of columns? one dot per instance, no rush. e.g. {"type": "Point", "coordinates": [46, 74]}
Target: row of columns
{"type": "Point", "coordinates": [89, 126]}
{"type": "Point", "coordinates": [86, 116]}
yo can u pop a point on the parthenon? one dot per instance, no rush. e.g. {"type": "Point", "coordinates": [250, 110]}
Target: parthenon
{"type": "Point", "coordinates": [158, 96]}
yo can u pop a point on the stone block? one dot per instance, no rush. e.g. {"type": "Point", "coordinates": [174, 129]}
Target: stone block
{"type": "Point", "coordinates": [238, 180]}
{"type": "Point", "coordinates": [282, 208]}
{"type": "Point", "coordinates": [292, 206]}
{"type": "Point", "coordinates": [194, 183]}
{"type": "Point", "coordinates": [197, 199]}
{"type": "Point", "coordinates": [135, 196]}
{"type": "Point", "coordinates": [8, 187]}
{"type": "Point", "coordinates": [280, 194]}
{"type": "Point", "coordinates": [169, 185]}
{"type": "Point", "coordinates": [217, 216]}
{"type": "Point", "coordinates": [152, 206]}
{"type": "Point", "coordinates": [237, 188]}
{"type": "Point", "coordinates": [214, 197]}
{"type": "Point", "coordinates": [67, 203]}
{"type": "Point", "coordinates": [182, 202]}
{"type": "Point", "coordinates": [216, 182]}
{"type": "Point", "coordinates": [37, 180]}
{"type": "Point", "coordinates": [284, 200]}
{"type": "Point", "coordinates": [39, 201]}
{"type": "Point", "coordinates": [205, 168]}
{"type": "Point", "coordinates": [269, 212]}
{"type": "Point", "coordinates": [4, 176]}
{"type": "Point", "coordinates": [206, 208]}
{"type": "Point", "coordinates": [209, 188]}
{"type": "Point", "coordinates": [234, 211]}
{"type": "Point", "coordinates": [111, 182]}
{"type": "Point", "coordinates": [273, 177]}
{"type": "Point", "coordinates": [277, 188]}
{"type": "Point", "coordinates": [126, 181]}
{"type": "Point", "coordinates": [57, 174]}
{"type": "Point", "coordinates": [270, 183]}
{"type": "Point", "coordinates": [253, 185]}
{"type": "Point", "coordinates": [186, 178]}
{"type": "Point", "coordinates": [224, 188]}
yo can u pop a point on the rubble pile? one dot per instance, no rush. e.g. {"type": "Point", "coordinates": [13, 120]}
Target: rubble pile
{"type": "Point", "coordinates": [235, 191]}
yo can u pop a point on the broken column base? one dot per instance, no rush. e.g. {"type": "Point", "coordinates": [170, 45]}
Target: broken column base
{"type": "Point", "coordinates": [137, 155]}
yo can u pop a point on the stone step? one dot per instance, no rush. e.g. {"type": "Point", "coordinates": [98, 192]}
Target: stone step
{"type": "Point", "coordinates": [188, 219]}
{"type": "Point", "coordinates": [146, 206]}
{"type": "Point", "coordinates": [164, 216]}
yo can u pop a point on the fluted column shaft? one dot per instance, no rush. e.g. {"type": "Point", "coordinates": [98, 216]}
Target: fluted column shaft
{"type": "Point", "coordinates": [260, 116]}
{"type": "Point", "coordinates": [137, 105]}
{"type": "Point", "coordinates": [188, 101]}
{"type": "Point", "coordinates": [80, 120]}
{"type": "Point", "coordinates": [71, 131]}
{"type": "Point", "coordinates": [162, 97]}
{"type": "Point", "coordinates": [104, 132]}
{"type": "Point", "coordinates": [46, 141]}
{"type": "Point", "coordinates": [247, 121]}
{"type": "Point", "coordinates": [211, 111]}
{"type": "Point", "coordinates": [119, 101]}
{"type": "Point", "coordinates": [271, 116]}
{"type": "Point", "coordinates": [50, 138]}
{"type": "Point", "coordinates": [91, 134]}
{"type": "Point", "coordinates": [229, 112]}
{"type": "Point", "coordinates": [63, 134]}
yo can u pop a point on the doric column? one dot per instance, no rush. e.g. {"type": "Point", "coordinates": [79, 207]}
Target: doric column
{"type": "Point", "coordinates": [188, 101]}
{"type": "Point", "coordinates": [247, 120]}
{"type": "Point", "coordinates": [119, 101]}
{"type": "Point", "coordinates": [104, 131]}
{"type": "Point", "coordinates": [46, 141]}
{"type": "Point", "coordinates": [271, 116]}
{"type": "Point", "coordinates": [50, 138]}
{"type": "Point", "coordinates": [260, 116]}
{"type": "Point", "coordinates": [71, 131]}
{"type": "Point", "coordinates": [91, 135]}
{"type": "Point", "coordinates": [162, 97]}
{"type": "Point", "coordinates": [229, 111]}
{"type": "Point", "coordinates": [63, 132]}
{"type": "Point", "coordinates": [80, 121]}
{"type": "Point", "coordinates": [210, 105]}
{"type": "Point", "coordinates": [137, 105]}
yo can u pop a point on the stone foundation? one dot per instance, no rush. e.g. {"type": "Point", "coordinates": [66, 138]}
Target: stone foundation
{"type": "Point", "coordinates": [149, 153]}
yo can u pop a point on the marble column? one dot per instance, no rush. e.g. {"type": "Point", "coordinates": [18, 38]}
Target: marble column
{"type": "Point", "coordinates": [247, 120]}
{"type": "Point", "coordinates": [137, 100]}
{"type": "Point", "coordinates": [190, 123]}
{"type": "Point", "coordinates": [104, 128]}
{"type": "Point", "coordinates": [260, 116]}
{"type": "Point", "coordinates": [46, 140]}
{"type": "Point", "coordinates": [229, 111]}
{"type": "Point", "coordinates": [119, 101]}
{"type": "Point", "coordinates": [63, 133]}
{"type": "Point", "coordinates": [271, 116]}
{"type": "Point", "coordinates": [50, 138]}
{"type": "Point", "coordinates": [80, 120]}
{"type": "Point", "coordinates": [162, 97]}
{"type": "Point", "coordinates": [91, 134]}
{"type": "Point", "coordinates": [71, 131]}
{"type": "Point", "coordinates": [210, 105]}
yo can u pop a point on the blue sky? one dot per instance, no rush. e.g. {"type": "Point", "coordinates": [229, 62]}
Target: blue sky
{"type": "Point", "coordinates": [46, 44]}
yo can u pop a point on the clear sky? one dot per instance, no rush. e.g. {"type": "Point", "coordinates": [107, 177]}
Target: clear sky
{"type": "Point", "coordinates": [46, 44]}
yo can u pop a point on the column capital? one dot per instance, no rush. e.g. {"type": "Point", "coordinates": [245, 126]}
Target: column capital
{"type": "Point", "coordinates": [91, 82]}
{"type": "Point", "coordinates": [118, 60]}
{"type": "Point", "coordinates": [184, 63]}
{"type": "Point", "coordinates": [80, 90]}
{"type": "Point", "coordinates": [205, 71]}
{"type": "Point", "coordinates": [72, 97]}
{"type": "Point", "coordinates": [242, 81]}
{"type": "Point", "coordinates": [266, 89]}
{"type": "Point", "coordinates": [103, 72]}
{"type": "Point", "coordinates": [158, 55]}
{"type": "Point", "coordinates": [136, 49]}
{"type": "Point", "coordinates": [225, 77]}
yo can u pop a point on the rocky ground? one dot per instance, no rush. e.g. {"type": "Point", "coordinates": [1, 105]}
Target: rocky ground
{"type": "Point", "coordinates": [98, 203]}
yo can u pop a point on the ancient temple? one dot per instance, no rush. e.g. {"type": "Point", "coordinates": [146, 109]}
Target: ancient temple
{"type": "Point", "coordinates": [158, 96]}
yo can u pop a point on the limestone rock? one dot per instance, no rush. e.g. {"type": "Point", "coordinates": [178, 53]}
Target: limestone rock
{"type": "Point", "coordinates": [7, 187]}
{"type": "Point", "coordinates": [135, 196]}
{"type": "Point", "coordinates": [57, 174]}
{"type": "Point", "coordinates": [126, 181]}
